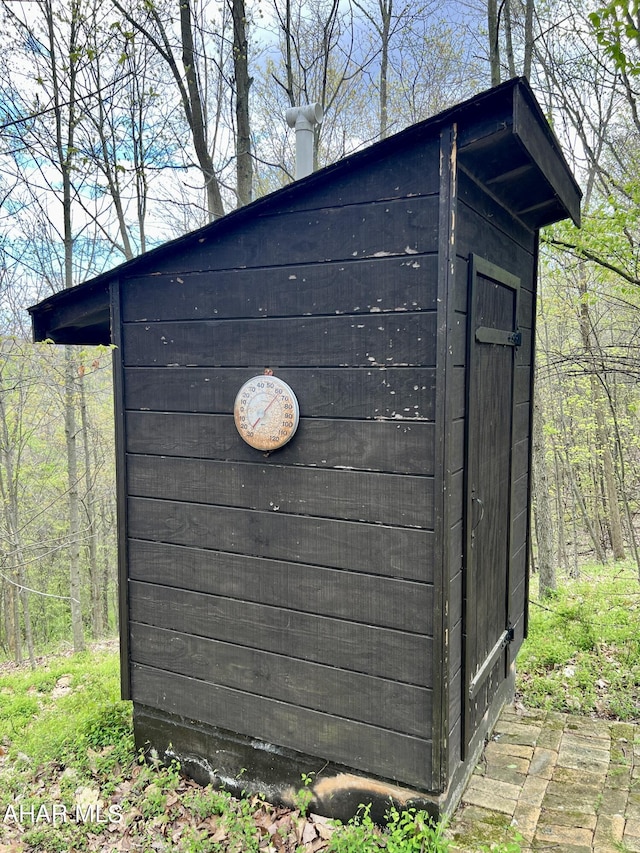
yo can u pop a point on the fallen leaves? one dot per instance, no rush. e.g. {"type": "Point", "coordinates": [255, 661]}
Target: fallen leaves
{"type": "Point", "coordinates": [180, 820]}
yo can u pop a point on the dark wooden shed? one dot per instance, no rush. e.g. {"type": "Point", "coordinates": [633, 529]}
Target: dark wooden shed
{"type": "Point", "coordinates": [349, 605]}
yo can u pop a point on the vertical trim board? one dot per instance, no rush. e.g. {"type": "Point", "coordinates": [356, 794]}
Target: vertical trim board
{"type": "Point", "coordinates": [442, 485]}
{"type": "Point", "coordinates": [121, 489]}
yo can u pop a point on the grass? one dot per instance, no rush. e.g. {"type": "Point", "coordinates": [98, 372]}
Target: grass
{"type": "Point", "coordinates": [66, 739]}
{"type": "Point", "coordinates": [70, 780]}
{"type": "Point", "coordinates": [583, 650]}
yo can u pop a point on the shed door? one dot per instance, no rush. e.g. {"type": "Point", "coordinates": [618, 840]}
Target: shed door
{"type": "Point", "coordinates": [492, 342]}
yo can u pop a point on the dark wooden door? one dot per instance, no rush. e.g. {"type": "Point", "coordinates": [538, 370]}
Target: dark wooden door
{"type": "Point", "coordinates": [492, 342]}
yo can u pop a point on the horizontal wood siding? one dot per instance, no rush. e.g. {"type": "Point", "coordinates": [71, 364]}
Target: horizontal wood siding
{"type": "Point", "coordinates": [395, 445]}
{"type": "Point", "coordinates": [371, 548]}
{"type": "Point", "coordinates": [390, 603]}
{"type": "Point", "coordinates": [393, 173]}
{"type": "Point", "coordinates": [400, 227]}
{"type": "Point", "coordinates": [376, 750]}
{"type": "Point", "coordinates": [349, 495]}
{"type": "Point", "coordinates": [289, 596]}
{"type": "Point", "coordinates": [352, 646]}
{"type": "Point", "coordinates": [372, 340]}
{"type": "Point", "coordinates": [335, 287]}
{"type": "Point", "coordinates": [276, 676]}
{"type": "Point", "coordinates": [350, 393]}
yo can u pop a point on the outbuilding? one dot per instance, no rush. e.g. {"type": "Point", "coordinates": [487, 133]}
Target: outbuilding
{"type": "Point", "coordinates": [323, 406]}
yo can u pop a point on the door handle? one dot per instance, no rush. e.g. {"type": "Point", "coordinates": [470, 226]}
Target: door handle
{"type": "Point", "coordinates": [481, 508]}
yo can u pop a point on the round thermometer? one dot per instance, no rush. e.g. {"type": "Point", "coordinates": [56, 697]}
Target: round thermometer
{"type": "Point", "coordinates": [266, 412]}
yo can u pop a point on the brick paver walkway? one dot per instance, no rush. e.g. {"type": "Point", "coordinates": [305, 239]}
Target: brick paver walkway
{"type": "Point", "coordinates": [564, 783]}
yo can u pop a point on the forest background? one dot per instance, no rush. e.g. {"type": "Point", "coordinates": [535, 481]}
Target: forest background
{"type": "Point", "coordinates": [126, 123]}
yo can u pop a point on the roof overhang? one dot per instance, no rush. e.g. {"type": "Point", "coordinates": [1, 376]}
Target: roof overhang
{"type": "Point", "coordinates": [518, 160]}
{"type": "Point", "coordinates": [80, 315]}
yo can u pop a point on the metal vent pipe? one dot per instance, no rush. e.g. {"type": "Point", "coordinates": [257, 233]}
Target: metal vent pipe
{"type": "Point", "coordinates": [303, 119]}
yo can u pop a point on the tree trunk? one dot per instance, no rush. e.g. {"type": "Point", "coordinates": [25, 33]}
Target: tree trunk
{"type": "Point", "coordinates": [576, 497]}
{"type": "Point", "coordinates": [528, 39]}
{"type": "Point", "coordinates": [623, 481]}
{"type": "Point", "coordinates": [17, 633]}
{"type": "Point", "coordinates": [494, 44]}
{"type": "Point", "coordinates": [195, 113]}
{"type": "Point", "coordinates": [244, 169]}
{"type": "Point", "coordinates": [613, 516]}
{"type": "Point", "coordinates": [386, 8]}
{"type": "Point", "coordinates": [191, 95]}
{"type": "Point", "coordinates": [508, 38]}
{"type": "Point", "coordinates": [542, 512]}
{"type": "Point", "coordinates": [24, 601]}
{"type": "Point", "coordinates": [105, 560]}
{"type": "Point", "coordinates": [611, 491]}
{"type": "Point", "coordinates": [12, 632]}
{"type": "Point", "coordinates": [70, 430]}
{"type": "Point", "coordinates": [591, 529]}
{"type": "Point", "coordinates": [562, 559]}
{"type": "Point", "coordinates": [65, 113]}
{"type": "Point", "coordinates": [9, 464]}
{"type": "Point", "coordinates": [97, 626]}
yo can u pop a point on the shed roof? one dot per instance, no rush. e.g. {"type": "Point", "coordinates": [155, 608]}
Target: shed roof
{"type": "Point", "coordinates": [504, 143]}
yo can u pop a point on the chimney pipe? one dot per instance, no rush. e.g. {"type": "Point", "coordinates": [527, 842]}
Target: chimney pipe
{"type": "Point", "coordinates": [303, 119]}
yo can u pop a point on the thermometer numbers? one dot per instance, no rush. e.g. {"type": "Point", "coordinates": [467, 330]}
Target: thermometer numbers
{"type": "Point", "coordinates": [266, 412]}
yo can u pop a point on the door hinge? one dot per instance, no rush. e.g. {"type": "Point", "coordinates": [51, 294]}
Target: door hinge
{"type": "Point", "coordinates": [489, 335]}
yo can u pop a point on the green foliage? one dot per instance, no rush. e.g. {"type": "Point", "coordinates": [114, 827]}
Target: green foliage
{"type": "Point", "coordinates": [233, 819]}
{"type": "Point", "coordinates": [16, 710]}
{"type": "Point", "coordinates": [204, 802]}
{"type": "Point", "coordinates": [41, 838]}
{"type": "Point", "coordinates": [616, 30]}
{"type": "Point", "coordinates": [413, 832]}
{"type": "Point", "coordinates": [583, 649]}
{"type": "Point", "coordinates": [360, 834]}
{"type": "Point", "coordinates": [33, 472]}
{"type": "Point", "coordinates": [67, 728]}
{"type": "Point", "coordinates": [304, 796]}
{"type": "Point", "coordinates": [408, 831]}
{"type": "Point", "coordinates": [108, 725]}
{"type": "Point", "coordinates": [512, 846]}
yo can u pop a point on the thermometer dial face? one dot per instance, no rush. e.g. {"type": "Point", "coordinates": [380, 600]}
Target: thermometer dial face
{"type": "Point", "coordinates": [266, 412]}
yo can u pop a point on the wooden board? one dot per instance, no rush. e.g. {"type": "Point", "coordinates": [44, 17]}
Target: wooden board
{"type": "Point", "coordinates": [355, 596]}
{"type": "Point", "coordinates": [484, 227]}
{"type": "Point", "coordinates": [389, 499]}
{"type": "Point", "coordinates": [406, 283]}
{"type": "Point", "coordinates": [372, 548]}
{"type": "Point", "coordinates": [347, 393]}
{"type": "Point", "coordinates": [489, 461]}
{"type": "Point", "coordinates": [364, 747]}
{"type": "Point", "coordinates": [544, 151]}
{"type": "Point", "coordinates": [400, 227]}
{"type": "Point", "coordinates": [402, 708]}
{"type": "Point", "coordinates": [371, 340]}
{"type": "Point", "coordinates": [396, 446]}
{"type": "Point", "coordinates": [405, 169]}
{"type": "Point", "coordinates": [397, 655]}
